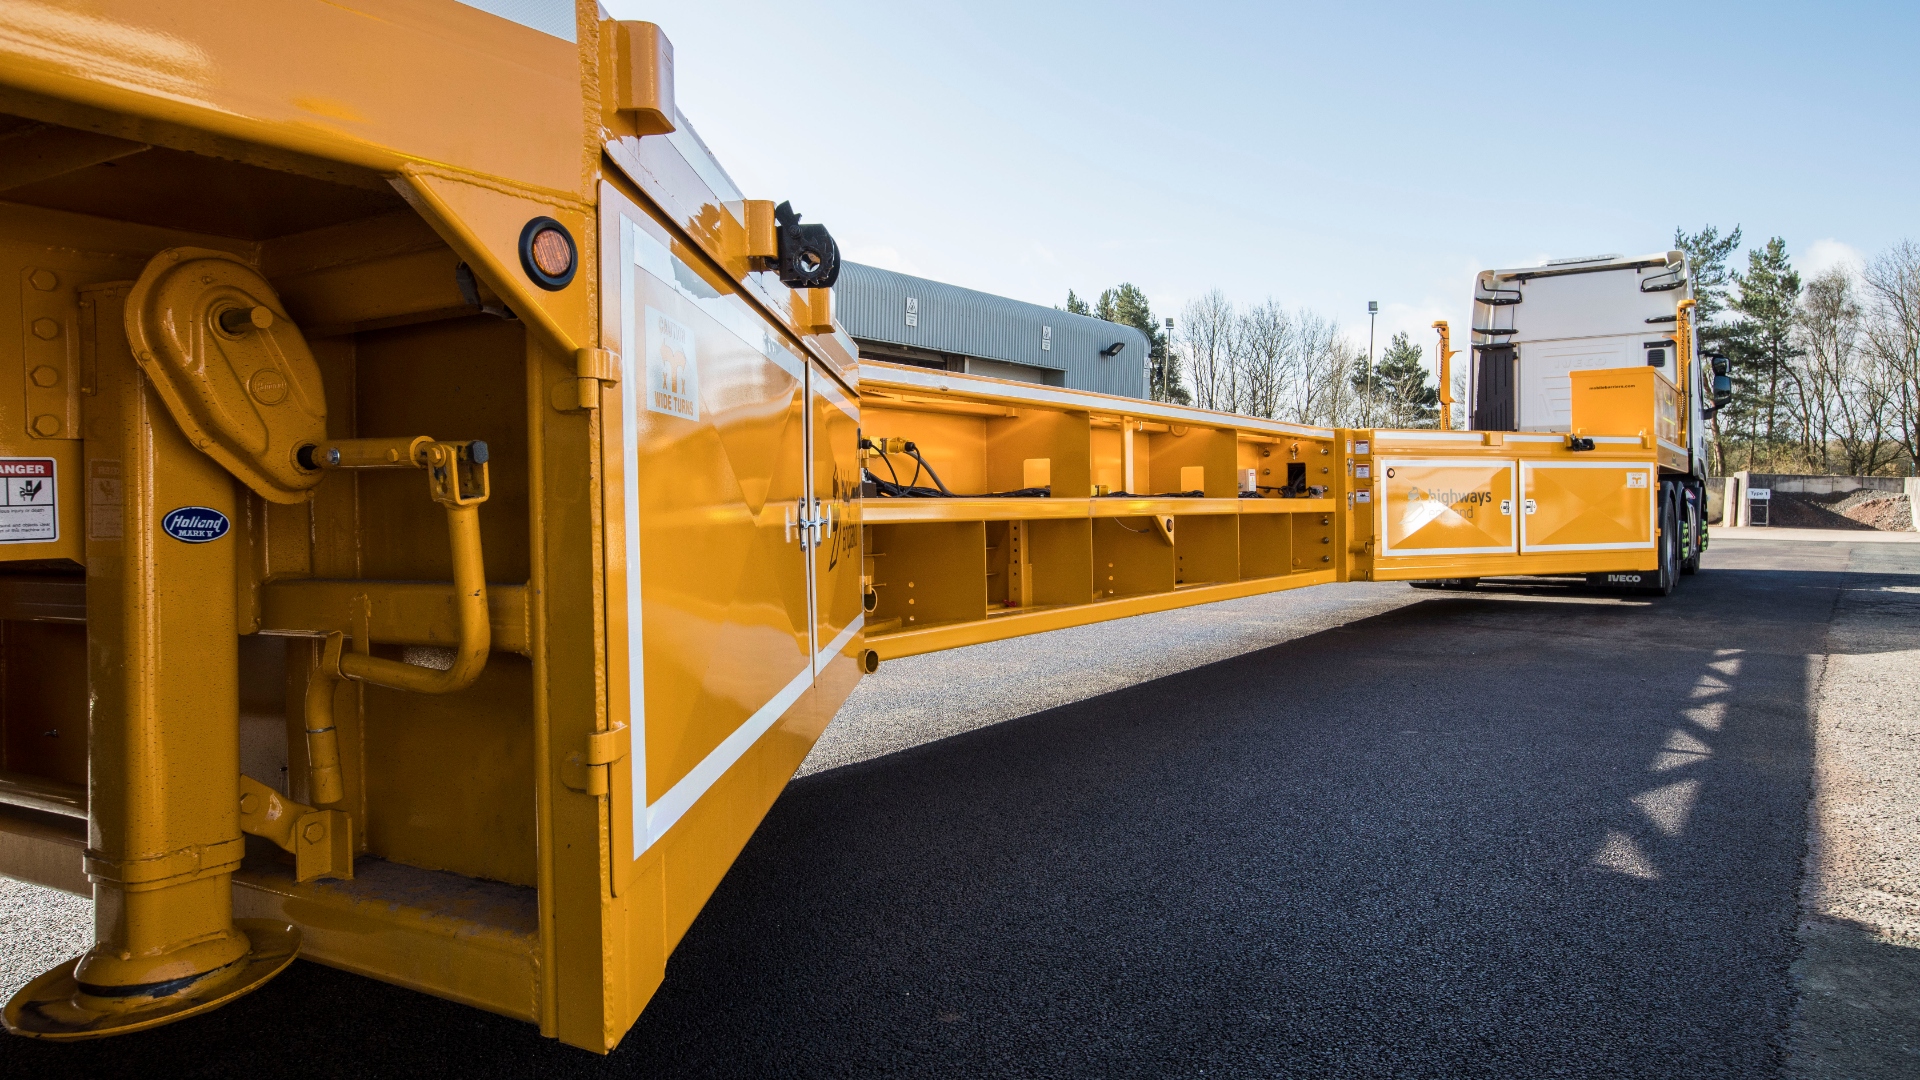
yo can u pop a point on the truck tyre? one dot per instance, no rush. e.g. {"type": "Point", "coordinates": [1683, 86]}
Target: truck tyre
{"type": "Point", "coordinates": [1669, 544]}
{"type": "Point", "coordinates": [1696, 524]}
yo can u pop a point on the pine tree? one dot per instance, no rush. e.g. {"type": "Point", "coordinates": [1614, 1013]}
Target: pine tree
{"type": "Point", "coordinates": [1405, 398]}
{"type": "Point", "coordinates": [1077, 305]}
{"type": "Point", "coordinates": [1768, 301]}
{"type": "Point", "coordinates": [1127, 305]}
{"type": "Point", "coordinates": [1707, 254]}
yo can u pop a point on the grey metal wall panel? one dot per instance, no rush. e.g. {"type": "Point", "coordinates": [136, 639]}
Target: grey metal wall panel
{"type": "Point", "coordinates": [873, 306]}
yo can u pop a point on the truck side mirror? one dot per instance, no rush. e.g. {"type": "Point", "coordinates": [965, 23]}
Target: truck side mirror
{"type": "Point", "coordinates": [1721, 365]}
{"type": "Point", "coordinates": [1722, 391]}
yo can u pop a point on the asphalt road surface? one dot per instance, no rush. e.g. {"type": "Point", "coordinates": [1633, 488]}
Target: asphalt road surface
{"type": "Point", "coordinates": [1520, 832]}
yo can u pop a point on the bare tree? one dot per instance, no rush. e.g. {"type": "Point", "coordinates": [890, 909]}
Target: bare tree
{"type": "Point", "coordinates": [1265, 358]}
{"type": "Point", "coordinates": [1317, 391]}
{"type": "Point", "coordinates": [1843, 389]}
{"type": "Point", "coordinates": [1208, 334]}
{"type": "Point", "coordinates": [1893, 338]}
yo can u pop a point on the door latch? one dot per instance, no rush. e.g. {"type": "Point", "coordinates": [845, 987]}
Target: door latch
{"type": "Point", "coordinates": [810, 530]}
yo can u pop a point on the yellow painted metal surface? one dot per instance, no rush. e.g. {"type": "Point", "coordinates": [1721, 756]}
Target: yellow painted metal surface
{"type": "Point", "coordinates": [547, 736]}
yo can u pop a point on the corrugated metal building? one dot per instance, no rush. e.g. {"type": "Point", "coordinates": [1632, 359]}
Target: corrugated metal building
{"type": "Point", "coordinates": [909, 320]}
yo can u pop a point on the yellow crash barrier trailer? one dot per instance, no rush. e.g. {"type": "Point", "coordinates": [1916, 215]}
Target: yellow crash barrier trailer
{"type": "Point", "coordinates": [440, 512]}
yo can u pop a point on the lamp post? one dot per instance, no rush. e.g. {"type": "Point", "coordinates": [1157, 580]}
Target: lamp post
{"type": "Point", "coordinates": [1166, 360]}
{"type": "Point", "coordinates": [1373, 312]}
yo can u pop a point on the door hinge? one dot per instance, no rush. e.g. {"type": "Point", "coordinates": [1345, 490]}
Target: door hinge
{"type": "Point", "coordinates": [586, 770]}
{"type": "Point", "coordinates": [593, 369]}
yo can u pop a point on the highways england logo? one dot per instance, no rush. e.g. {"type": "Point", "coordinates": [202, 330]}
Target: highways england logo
{"type": "Point", "coordinates": [1450, 498]}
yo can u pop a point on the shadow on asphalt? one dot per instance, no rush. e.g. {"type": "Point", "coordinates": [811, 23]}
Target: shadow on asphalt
{"type": "Point", "coordinates": [1476, 836]}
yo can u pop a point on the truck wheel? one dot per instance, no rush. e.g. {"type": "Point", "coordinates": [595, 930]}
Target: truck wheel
{"type": "Point", "coordinates": [1696, 526]}
{"type": "Point", "coordinates": [1669, 545]}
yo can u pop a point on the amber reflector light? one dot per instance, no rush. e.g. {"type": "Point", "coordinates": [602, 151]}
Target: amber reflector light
{"type": "Point", "coordinates": [551, 253]}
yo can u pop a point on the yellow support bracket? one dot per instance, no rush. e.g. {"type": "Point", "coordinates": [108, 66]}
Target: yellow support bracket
{"type": "Point", "coordinates": [321, 841]}
{"type": "Point", "coordinates": [457, 479]}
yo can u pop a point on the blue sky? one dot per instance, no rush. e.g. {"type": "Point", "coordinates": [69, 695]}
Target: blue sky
{"type": "Point", "coordinates": [1322, 155]}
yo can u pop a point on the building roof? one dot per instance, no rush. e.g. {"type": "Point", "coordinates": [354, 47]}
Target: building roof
{"type": "Point", "coordinates": [876, 305]}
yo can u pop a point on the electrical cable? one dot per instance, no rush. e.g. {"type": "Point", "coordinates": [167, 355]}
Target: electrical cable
{"type": "Point", "coordinates": [912, 490]}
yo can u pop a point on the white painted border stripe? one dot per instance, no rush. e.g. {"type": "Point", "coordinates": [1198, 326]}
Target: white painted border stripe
{"type": "Point", "coordinates": [633, 370]}
{"type": "Point", "coordinates": [662, 815]}
{"type": "Point", "coordinates": [839, 642]}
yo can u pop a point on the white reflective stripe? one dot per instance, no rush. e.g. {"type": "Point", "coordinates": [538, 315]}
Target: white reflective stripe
{"type": "Point", "coordinates": [701, 160]}
{"type": "Point", "coordinates": [829, 390]}
{"type": "Point", "coordinates": [839, 642]}
{"type": "Point", "coordinates": [1426, 436]}
{"type": "Point", "coordinates": [547, 16]}
{"type": "Point", "coordinates": [1077, 399]}
{"type": "Point", "coordinates": [1670, 446]}
{"type": "Point", "coordinates": [680, 798]}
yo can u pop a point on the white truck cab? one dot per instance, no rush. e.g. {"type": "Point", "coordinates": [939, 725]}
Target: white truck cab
{"type": "Point", "coordinates": [1534, 325]}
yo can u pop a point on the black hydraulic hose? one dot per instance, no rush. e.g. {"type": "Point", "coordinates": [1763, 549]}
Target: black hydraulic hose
{"type": "Point", "coordinates": [937, 482]}
{"type": "Point", "coordinates": [912, 490]}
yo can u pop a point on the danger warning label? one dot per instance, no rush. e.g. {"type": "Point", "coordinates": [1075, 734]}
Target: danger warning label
{"type": "Point", "coordinates": [27, 511]}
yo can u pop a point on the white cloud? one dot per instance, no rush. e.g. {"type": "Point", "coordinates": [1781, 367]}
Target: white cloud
{"type": "Point", "coordinates": [1824, 255]}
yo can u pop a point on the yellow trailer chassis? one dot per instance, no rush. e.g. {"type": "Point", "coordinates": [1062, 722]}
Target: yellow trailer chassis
{"type": "Point", "coordinates": [433, 534]}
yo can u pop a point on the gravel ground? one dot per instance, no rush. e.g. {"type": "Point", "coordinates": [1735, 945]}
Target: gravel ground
{"type": "Point", "coordinates": [1859, 971]}
{"type": "Point", "coordinates": [1884, 511]}
{"type": "Point", "coordinates": [1520, 832]}
{"type": "Point", "coordinates": [39, 928]}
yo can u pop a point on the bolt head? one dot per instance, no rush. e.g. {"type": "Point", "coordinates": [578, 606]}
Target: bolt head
{"type": "Point", "coordinates": [46, 329]}
{"type": "Point", "coordinates": [44, 376]}
{"type": "Point", "coordinates": [44, 280]}
{"type": "Point", "coordinates": [46, 425]}
{"type": "Point", "coordinates": [314, 832]}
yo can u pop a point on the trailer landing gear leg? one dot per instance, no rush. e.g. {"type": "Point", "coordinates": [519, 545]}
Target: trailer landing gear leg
{"type": "Point", "coordinates": [164, 755]}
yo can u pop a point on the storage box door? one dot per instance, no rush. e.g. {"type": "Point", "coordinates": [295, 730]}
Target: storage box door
{"type": "Point", "coordinates": [1445, 507]}
{"type": "Point", "coordinates": [709, 607]}
{"type": "Point", "coordinates": [1588, 506]}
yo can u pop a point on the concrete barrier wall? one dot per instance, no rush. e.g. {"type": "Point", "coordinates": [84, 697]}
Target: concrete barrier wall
{"type": "Point", "coordinates": [1727, 495]}
{"type": "Point", "coordinates": [1825, 485]}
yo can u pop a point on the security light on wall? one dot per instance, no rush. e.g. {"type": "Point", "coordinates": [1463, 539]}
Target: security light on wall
{"type": "Point", "coordinates": [1113, 350]}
